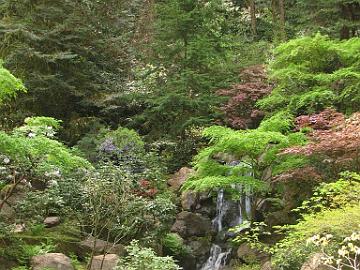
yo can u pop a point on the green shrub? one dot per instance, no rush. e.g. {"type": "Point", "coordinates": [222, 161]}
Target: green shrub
{"type": "Point", "coordinates": [20, 268]}
{"type": "Point", "coordinates": [291, 252]}
{"type": "Point", "coordinates": [31, 150]}
{"type": "Point", "coordinates": [249, 267]}
{"type": "Point", "coordinates": [345, 191]}
{"type": "Point", "coordinates": [9, 85]}
{"type": "Point", "coordinates": [29, 251]}
{"type": "Point", "coordinates": [313, 73]}
{"type": "Point", "coordinates": [145, 259]}
{"type": "Point", "coordinates": [174, 244]}
{"type": "Point", "coordinates": [242, 157]}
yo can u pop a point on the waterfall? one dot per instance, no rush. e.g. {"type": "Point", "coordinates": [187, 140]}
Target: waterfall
{"type": "Point", "coordinates": [221, 209]}
{"type": "Point", "coordinates": [219, 255]}
{"type": "Point", "coordinates": [217, 258]}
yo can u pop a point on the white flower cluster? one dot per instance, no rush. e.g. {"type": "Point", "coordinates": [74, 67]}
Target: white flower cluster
{"type": "Point", "coordinates": [348, 255]}
{"type": "Point", "coordinates": [230, 6]}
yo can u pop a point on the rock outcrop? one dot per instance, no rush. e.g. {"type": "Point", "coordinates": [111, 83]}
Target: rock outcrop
{"type": "Point", "coordinates": [179, 178]}
{"type": "Point", "coordinates": [55, 261]}
{"type": "Point", "coordinates": [50, 222]}
{"type": "Point", "coordinates": [189, 224]}
{"type": "Point", "coordinates": [104, 262]}
{"type": "Point", "coordinates": [189, 200]}
{"type": "Point", "coordinates": [314, 263]}
{"type": "Point", "coordinates": [100, 247]}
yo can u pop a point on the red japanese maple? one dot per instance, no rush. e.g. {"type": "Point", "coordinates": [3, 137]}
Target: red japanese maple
{"type": "Point", "coordinates": [334, 140]}
{"type": "Point", "coordinates": [240, 111]}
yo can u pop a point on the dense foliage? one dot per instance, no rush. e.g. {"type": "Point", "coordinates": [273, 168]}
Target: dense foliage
{"type": "Point", "coordinates": [325, 213]}
{"type": "Point", "coordinates": [312, 74]}
{"type": "Point", "coordinates": [101, 101]}
{"type": "Point", "coordinates": [9, 85]}
{"type": "Point", "coordinates": [72, 56]}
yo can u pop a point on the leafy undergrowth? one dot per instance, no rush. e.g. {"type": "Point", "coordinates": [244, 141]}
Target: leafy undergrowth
{"type": "Point", "coordinates": [18, 248]}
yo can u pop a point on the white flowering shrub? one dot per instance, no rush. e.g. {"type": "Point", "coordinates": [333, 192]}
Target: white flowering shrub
{"type": "Point", "coordinates": [346, 257]}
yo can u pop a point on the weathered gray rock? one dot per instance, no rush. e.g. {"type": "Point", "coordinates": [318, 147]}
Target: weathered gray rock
{"type": "Point", "coordinates": [8, 212]}
{"type": "Point", "coordinates": [100, 247]}
{"type": "Point", "coordinates": [107, 262]}
{"type": "Point", "coordinates": [188, 224]}
{"type": "Point", "coordinates": [50, 222]}
{"type": "Point", "coordinates": [314, 263]}
{"type": "Point", "coordinates": [189, 200]}
{"type": "Point", "coordinates": [199, 246]}
{"type": "Point", "coordinates": [279, 218]}
{"type": "Point", "coordinates": [19, 228]}
{"type": "Point", "coordinates": [247, 254]}
{"type": "Point", "coordinates": [266, 265]}
{"type": "Point", "coordinates": [179, 178]}
{"type": "Point", "coordinates": [56, 261]}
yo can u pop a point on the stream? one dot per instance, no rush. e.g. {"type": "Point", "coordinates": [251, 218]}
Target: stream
{"type": "Point", "coordinates": [229, 213]}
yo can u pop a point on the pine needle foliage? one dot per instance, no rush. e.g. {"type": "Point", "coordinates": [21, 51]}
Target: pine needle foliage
{"type": "Point", "coordinates": [71, 55]}
{"type": "Point", "coordinates": [191, 57]}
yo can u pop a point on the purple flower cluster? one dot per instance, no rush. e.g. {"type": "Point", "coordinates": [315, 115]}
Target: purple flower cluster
{"type": "Point", "coordinates": [108, 146]}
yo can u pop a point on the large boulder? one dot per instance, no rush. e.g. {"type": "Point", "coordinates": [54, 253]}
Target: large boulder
{"type": "Point", "coordinates": [189, 200]}
{"type": "Point", "coordinates": [50, 222]}
{"type": "Point", "coordinates": [19, 194]}
{"type": "Point", "coordinates": [104, 262]}
{"type": "Point", "coordinates": [179, 178]}
{"type": "Point", "coordinates": [266, 265]}
{"type": "Point", "coordinates": [199, 246]}
{"type": "Point", "coordinates": [188, 224]}
{"type": "Point", "coordinates": [314, 263]}
{"type": "Point", "coordinates": [55, 261]}
{"type": "Point", "coordinates": [251, 255]}
{"type": "Point", "coordinates": [247, 254]}
{"type": "Point", "coordinates": [99, 247]}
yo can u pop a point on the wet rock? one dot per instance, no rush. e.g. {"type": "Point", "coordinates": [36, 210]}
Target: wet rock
{"type": "Point", "coordinates": [188, 224]}
{"type": "Point", "coordinates": [179, 178]}
{"type": "Point", "coordinates": [314, 263]}
{"type": "Point", "coordinates": [50, 222]}
{"type": "Point", "coordinates": [206, 210]}
{"type": "Point", "coordinates": [187, 262]}
{"type": "Point", "coordinates": [56, 261]}
{"type": "Point", "coordinates": [199, 246]}
{"type": "Point", "coordinates": [107, 262]}
{"type": "Point", "coordinates": [100, 247]}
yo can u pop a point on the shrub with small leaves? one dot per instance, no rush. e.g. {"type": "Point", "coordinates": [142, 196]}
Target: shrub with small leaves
{"type": "Point", "coordinates": [145, 259]}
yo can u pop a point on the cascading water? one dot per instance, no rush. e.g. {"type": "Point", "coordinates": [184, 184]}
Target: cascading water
{"type": "Point", "coordinates": [219, 256]}
{"type": "Point", "coordinates": [217, 259]}
{"type": "Point", "coordinates": [221, 209]}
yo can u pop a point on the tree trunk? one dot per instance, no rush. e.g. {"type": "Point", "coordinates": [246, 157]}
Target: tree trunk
{"type": "Point", "coordinates": [252, 7]}
{"type": "Point", "coordinates": [282, 19]}
{"type": "Point", "coordinates": [347, 16]}
{"type": "Point", "coordinates": [274, 16]}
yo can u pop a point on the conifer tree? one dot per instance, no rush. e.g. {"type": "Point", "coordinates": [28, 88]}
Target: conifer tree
{"type": "Point", "coordinates": [191, 57]}
{"type": "Point", "coordinates": [71, 55]}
